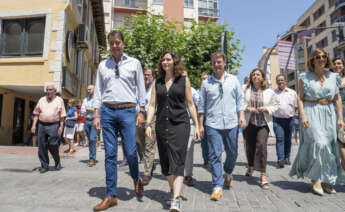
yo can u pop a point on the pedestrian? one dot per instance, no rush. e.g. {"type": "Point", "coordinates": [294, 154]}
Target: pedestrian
{"type": "Point", "coordinates": [221, 104]}
{"type": "Point", "coordinates": [190, 146]}
{"type": "Point", "coordinates": [283, 120]}
{"type": "Point", "coordinates": [146, 146]}
{"type": "Point", "coordinates": [339, 67]}
{"type": "Point", "coordinates": [80, 125]}
{"type": "Point", "coordinates": [203, 140]}
{"type": "Point", "coordinates": [119, 81]}
{"type": "Point", "coordinates": [87, 109]}
{"type": "Point", "coordinates": [50, 111]}
{"type": "Point", "coordinates": [318, 96]}
{"type": "Point", "coordinates": [260, 103]}
{"type": "Point", "coordinates": [70, 125]}
{"type": "Point", "coordinates": [171, 94]}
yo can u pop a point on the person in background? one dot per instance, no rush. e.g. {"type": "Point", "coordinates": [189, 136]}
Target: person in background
{"type": "Point", "coordinates": [80, 125]}
{"type": "Point", "coordinates": [283, 120]}
{"type": "Point", "coordinates": [50, 111]}
{"type": "Point", "coordinates": [69, 131]}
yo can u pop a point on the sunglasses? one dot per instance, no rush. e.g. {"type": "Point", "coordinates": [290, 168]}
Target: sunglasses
{"type": "Point", "coordinates": [221, 89]}
{"type": "Point", "coordinates": [117, 71]}
{"type": "Point", "coordinates": [318, 57]}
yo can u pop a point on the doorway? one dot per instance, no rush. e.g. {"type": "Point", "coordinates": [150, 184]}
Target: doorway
{"type": "Point", "coordinates": [18, 121]}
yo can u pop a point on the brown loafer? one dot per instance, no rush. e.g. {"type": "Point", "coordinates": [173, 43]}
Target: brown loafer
{"type": "Point", "coordinates": [91, 163]}
{"type": "Point", "coordinates": [106, 203]}
{"type": "Point", "coordinates": [146, 180]}
{"type": "Point", "coordinates": [189, 181]}
{"type": "Point", "coordinates": [139, 187]}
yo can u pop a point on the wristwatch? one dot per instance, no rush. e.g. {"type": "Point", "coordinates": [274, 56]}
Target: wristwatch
{"type": "Point", "coordinates": [148, 125]}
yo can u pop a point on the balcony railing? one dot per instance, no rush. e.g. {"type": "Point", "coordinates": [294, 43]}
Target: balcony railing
{"type": "Point", "coordinates": [214, 12]}
{"type": "Point", "coordinates": [338, 19]}
{"type": "Point", "coordinates": [131, 4]}
{"type": "Point", "coordinates": [339, 3]}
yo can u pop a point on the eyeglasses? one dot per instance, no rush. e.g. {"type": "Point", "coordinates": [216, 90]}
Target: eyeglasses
{"type": "Point", "coordinates": [117, 71]}
{"type": "Point", "coordinates": [221, 89]}
{"type": "Point", "coordinates": [318, 57]}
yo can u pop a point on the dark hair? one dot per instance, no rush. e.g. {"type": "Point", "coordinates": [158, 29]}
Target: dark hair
{"type": "Point", "coordinates": [316, 52]}
{"type": "Point", "coordinates": [280, 75]}
{"type": "Point", "coordinates": [342, 61]}
{"type": "Point", "coordinates": [219, 54]}
{"type": "Point", "coordinates": [116, 33]}
{"type": "Point", "coordinates": [152, 71]}
{"type": "Point", "coordinates": [264, 84]}
{"type": "Point", "coordinates": [179, 68]}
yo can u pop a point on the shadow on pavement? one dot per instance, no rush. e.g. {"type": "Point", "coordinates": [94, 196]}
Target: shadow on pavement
{"type": "Point", "coordinates": [204, 186]}
{"type": "Point", "coordinates": [302, 187]}
{"type": "Point", "coordinates": [158, 196]}
{"type": "Point", "coordinates": [123, 194]}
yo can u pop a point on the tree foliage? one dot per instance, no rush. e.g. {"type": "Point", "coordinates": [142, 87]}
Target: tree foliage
{"type": "Point", "coordinates": [148, 36]}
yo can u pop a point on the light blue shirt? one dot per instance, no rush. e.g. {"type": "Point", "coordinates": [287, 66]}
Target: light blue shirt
{"type": "Point", "coordinates": [221, 110]}
{"type": "Point", "coordinates": [87, 103]}
{"type": "Point", "coordinates": [147, 98]}
{"type": "Point", "coordinates": [123, 89]}
{"type": "Point", "coordinates": [195, 96]}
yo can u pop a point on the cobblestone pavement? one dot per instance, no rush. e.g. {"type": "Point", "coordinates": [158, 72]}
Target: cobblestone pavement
{"type": "Point", "coordinates": [78, 188]}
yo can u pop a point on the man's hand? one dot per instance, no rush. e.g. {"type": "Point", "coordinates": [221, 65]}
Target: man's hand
{"type": "Point", "coordinates": [140, 120]}
{"type": "Point", "coordinates": [33, 129]}
{"type": "Point", "coordinates": [97, 123]}
{"type": "Point", "coordinates": [201, 131]}
{"type": "Point", "coordinates": [60, 131]}
{"type": "Point", "coordinates": [242, 123]}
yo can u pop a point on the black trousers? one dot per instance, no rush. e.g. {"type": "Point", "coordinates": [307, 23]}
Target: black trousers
{"type": "Point", "coordinates": [48, 139]}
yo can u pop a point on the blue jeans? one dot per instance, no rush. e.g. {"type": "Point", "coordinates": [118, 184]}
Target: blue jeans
{"type": "Point", "coordinates": [215, 140]}
{"type": "Point", "coordinates": [204, 146]}
{"type": "Point", "coordinates": [113, 120]}
{"type": "Point", "coordinates": [283, 129]}
{"type": "Point", "coordinates": [91, 135]}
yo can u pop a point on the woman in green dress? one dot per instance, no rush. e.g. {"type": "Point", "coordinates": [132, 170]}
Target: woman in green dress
{"type": "Point", "coordinates": [318, 101]}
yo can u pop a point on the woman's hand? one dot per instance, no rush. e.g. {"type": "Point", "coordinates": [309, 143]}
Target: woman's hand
{"type": "Point", "coordinates": [148, 132]}
{"type": "Point", "coordinates": [340, 124]}
{"type": "Point", "coordinates": [196, 134]}
{"type": "Point", "coordinates": [262, 109]}
{"type": "Point", "coordinates": [304, 122]}
{"type": "Point", "coordinates": [252, 110]}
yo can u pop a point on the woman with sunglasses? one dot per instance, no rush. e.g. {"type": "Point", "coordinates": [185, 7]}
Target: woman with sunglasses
{"type": "Point", "coordinates": [318, 97]}
{"type": "Point", "coordinates": [172, 95]}
{"type": "Point", "coordinates": [339, 67]}
{"type": "Point", "coordinates": [260, 103]}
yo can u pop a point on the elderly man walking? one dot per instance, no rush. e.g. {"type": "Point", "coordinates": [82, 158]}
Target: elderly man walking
{"type": "Point", "coordinates": [222, 104]}
{"type": "Point", "coordinates": [283, 120]}
{"type": "Point", "coordinates": [87, 109]}
{"type": "Point", "coordinates": [119, 81]}
{"type": "Point", "coordinates": [50, 111]}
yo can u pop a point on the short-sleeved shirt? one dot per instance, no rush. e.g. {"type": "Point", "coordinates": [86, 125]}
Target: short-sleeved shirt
{"type": "Point", "coordinates": [71, 112]}
{"type": "Point", "coordinates": [50, 111]}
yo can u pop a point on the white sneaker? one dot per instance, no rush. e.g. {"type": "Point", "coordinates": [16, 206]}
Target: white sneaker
{"type": "Point", "coordinates": [176, 205]}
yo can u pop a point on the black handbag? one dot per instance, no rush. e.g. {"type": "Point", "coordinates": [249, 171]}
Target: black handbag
{"type": "Point", "coordinates": [70, 123]}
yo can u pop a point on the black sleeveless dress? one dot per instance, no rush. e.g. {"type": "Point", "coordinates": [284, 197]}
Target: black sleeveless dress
{"type": "Point", "coordinates": [172, 125]}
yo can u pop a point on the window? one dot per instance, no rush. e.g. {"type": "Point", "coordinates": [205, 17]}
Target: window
{"type": "Point", "coordinates": [78, 64]}
{"type": "Point", "coordinates": [291, 77]}
{"type": "Point", "coordinates": [85, 71]}
{"type": "Point", "coordinates": [22, 37]}
{"type": "Point", "coordinates": [334, 35]}
{"type": "Point", "coordinates": [160, 2]}
{"type": "Point", "coordinates": [322, 43]}
{"type": "Point", "coordinates": [319, 13]}
{"type": "Point", "coordinates": [189, 3]}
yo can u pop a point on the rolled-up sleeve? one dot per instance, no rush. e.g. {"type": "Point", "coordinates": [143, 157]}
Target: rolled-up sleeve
{"type": "Point", "coordinates": [202, 99]}
{"type": "Point", "coordinates": [141, 92]}
{"type": "Point", "coordinates": [239, 97]}
{"type": "Point", "coordinates": [97, 95]}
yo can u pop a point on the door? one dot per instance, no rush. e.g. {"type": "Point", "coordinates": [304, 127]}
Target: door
{"type": "Point", "coordinates": [18, 121]}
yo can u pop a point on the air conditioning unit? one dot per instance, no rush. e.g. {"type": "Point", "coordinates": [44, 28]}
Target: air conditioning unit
{"type": "Point", "coordinates": [83, 36]}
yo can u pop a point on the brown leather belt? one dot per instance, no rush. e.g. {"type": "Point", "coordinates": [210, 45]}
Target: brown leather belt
{"type": "Point", "coordinates": [322, 101]}
{"type": "Point", "coordinates": [89, 119]}
{"type": "Point", "coordinates": [120, 106]}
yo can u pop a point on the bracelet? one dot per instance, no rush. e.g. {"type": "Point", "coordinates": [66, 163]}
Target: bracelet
{"type": "Point", "coordinates": [148, 125]}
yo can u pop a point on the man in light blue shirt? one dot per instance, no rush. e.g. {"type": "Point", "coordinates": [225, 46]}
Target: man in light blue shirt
{"type": "Point", "coordinates": [118, 84]}
{"type": "Point", "coordinates": [87, 110]}
{"type": "Point", "coordinates": [222, 104]}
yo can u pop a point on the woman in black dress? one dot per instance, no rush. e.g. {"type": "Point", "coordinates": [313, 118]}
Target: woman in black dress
{"type": "Point", "coordinates": [171, 94]}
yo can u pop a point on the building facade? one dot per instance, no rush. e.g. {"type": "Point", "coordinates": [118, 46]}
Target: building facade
{"type": "Point", "coordinates": [119, 12]}
{"type": "Point", "coordinates": [44, 42]}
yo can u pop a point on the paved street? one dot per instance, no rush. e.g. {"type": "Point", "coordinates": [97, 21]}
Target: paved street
{"type": "Point", "coordinates": [78, 188]}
